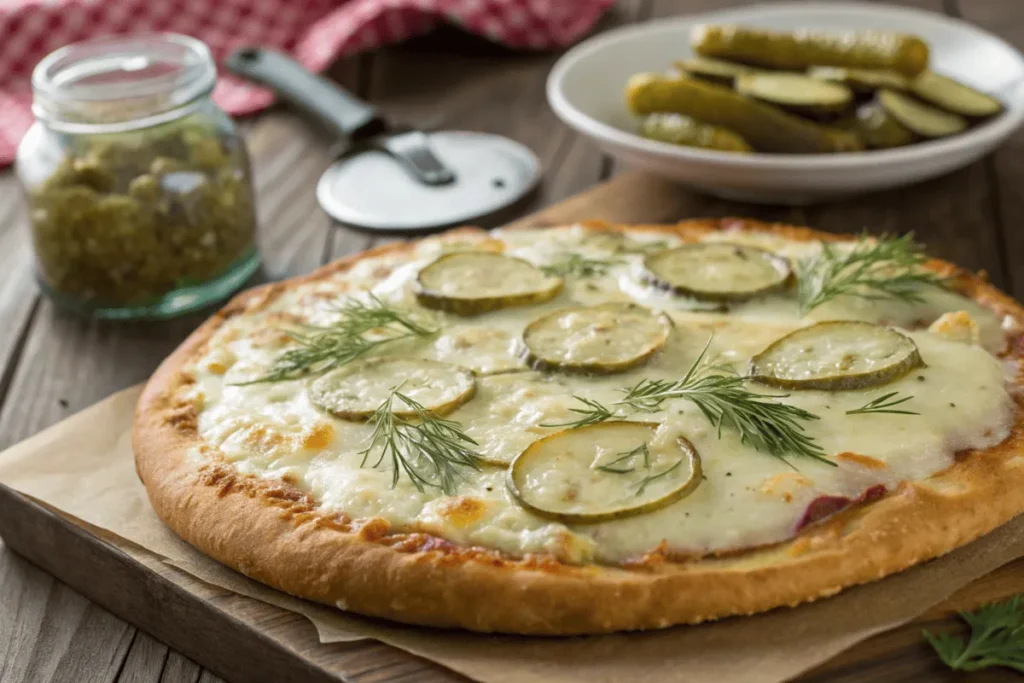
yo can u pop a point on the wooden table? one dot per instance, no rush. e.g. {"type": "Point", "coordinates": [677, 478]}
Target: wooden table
{"type": "Point", "coordinates": [52, 364]}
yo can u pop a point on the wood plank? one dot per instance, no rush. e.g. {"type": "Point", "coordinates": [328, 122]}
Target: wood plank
{"type": "Point", "coordinates": [145, 660]}
{"type": "Point", "coordinates": [1005, 168]}
{"type": "Point", "coordinates": [180, 669]}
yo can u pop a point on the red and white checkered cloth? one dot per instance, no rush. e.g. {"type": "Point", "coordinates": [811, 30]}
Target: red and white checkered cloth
{"type": "Point", "coordinates": [316, 32]}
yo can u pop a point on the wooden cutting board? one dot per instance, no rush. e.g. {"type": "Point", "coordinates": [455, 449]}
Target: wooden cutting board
{"type": "Point", "coordinates": [247, 641]}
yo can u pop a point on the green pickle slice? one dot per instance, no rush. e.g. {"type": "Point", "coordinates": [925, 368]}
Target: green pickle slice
{"type": "Point", "coordinates": [765, 127]}
{"type": "Point", "coordinates": [717, 271]}
{"type": "Point", "coordinates": [601, 339]}
{"type": "Point", "coordinates": [836, 355]}
{"type": "Point", "coordinates": [677, 129]}
{"type": "Point", "coordinates": [954, 96]}
{"type": "Point", "coordinates": [471, 283]}
{"type": "Point", "coordinates": [603, 472]}
{"type": "Point", "coordinates": [714, 70]}
{"type": "Point", "coordinates": [921, 119]}
{"type": "Point", "coordinates": [803, 48]}
{"type": "Point", "coordinates": [796, 92]}
{"type": "Point", "coordinates": [354, 392]}
{"type": "Point", "coordinates": [861, 80]}
{"type": "Point", "coordinates": [878, 129]}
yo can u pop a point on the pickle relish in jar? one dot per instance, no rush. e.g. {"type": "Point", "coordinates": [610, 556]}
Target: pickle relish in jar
{"type": "Point", "coordinates": [138, 186]}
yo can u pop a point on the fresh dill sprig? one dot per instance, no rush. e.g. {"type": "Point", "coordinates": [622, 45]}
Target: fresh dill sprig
{"type": "Point", "coordinates": [431, 450]}
{"type": "Point", "coordinates": [762, 422]}
{"type": "Point", "coordinates": [617, 466]}
{"type": "Point", "coordinates": [642, 486]}
{"type": "Point", "coordinates": [592, 412]}
{"type": "Point", "coordinates": [361, 327]}
{"type": "Point", "coordinates": [997, 638]}
{"type": "Point", "coordinates": [884, 268]}
{"type": "Point", "coordinates": [884, 404]}
{"type": "Point", "coordinates": [579, 266]}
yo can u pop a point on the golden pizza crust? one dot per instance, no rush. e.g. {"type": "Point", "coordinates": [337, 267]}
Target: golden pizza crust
{"type": "Point", "coordinates": [272, 532]}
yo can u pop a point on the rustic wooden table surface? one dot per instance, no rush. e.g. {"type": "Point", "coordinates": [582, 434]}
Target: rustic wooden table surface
{"type": "Point", "coordinates": [52, 365]}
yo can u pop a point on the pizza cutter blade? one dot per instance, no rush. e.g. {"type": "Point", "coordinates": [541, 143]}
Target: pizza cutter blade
{"type": "Point", "coordinates": [392, 179]}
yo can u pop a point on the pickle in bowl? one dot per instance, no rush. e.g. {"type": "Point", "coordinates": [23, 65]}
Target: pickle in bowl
{"type": "Point", "coordinates": [804, 48]}
{"type": "Point", "coordinates": [797, 93]}
{"type": "Point", "coordinates": [677, 129]}
{"type": "Point", "coordinates": [766, 128]}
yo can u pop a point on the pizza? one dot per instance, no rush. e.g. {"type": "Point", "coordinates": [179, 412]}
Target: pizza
{"type": "Point", "coordinates": [592, 428]}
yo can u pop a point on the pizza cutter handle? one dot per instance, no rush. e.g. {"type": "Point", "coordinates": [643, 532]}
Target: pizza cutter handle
{"type": "Point", "coordinates": [316, 96]}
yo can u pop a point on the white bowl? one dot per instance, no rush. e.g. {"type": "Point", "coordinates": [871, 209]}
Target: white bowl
{"type": "Point", "coordinates": [586, 87]}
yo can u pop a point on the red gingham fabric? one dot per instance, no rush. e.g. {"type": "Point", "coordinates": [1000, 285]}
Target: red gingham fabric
{"type": "Point", "coordinates": [316, 32]}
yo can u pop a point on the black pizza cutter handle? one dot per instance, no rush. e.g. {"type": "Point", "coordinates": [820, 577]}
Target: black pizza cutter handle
{"type": "Point", "coordinates": [346, 115]}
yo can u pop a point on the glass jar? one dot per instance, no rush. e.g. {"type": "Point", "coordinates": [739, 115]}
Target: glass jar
{"type": "Point", "coordinates": [138, 186]}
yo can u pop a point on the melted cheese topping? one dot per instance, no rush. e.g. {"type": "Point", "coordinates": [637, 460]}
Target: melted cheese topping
{"type": "Point", "coordinates": [746, 498]}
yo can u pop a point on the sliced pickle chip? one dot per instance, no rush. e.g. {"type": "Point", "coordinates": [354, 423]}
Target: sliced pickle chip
{"type": "Point", "coordinates": [470, 283]}
{"type": "Point", "coordinates": [677, 129]}
{"type": "Point", "coordinates": [715, 70]}
{"type": "Point", "coordinates": [954, 96]}
{"type": "Point", "coordinates": [861, 80]}
{"type": "Point", "coordinates": [717, 271]}
{"type": "Point", "coordinates": [919, 118]}
{"type": "Point", "coordinates": [603, 472]}
{"type": "Point", "coordinates": [878, 129]}
{"type": "Point", "coordinates": [354, 392]}
{"type": "Point", "coordinates": [836, 356]}
{"type": "Point", "coordinates": [796, 92]}
{"type": "Point", "coordinates": [604, 339]}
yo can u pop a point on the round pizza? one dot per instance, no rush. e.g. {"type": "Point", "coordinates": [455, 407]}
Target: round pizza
{"type": "Point", "coordinates": [593, 428]}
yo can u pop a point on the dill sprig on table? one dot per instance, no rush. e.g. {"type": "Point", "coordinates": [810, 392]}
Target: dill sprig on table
{"type": "Point", "coordinates": [360, 328]}
{"type": "Point", "coordinates": [760, 419]}
{"type": "Point", "coordinates": [884, 268]}
{"type": "Point", "coordinates": [996, 639]}
{"type": "Point", "coordinates": [884, 404]}
{"type": "Point", "coordinates": [579, 266]}
{"type": "Point", "coordinates": [432, 451]}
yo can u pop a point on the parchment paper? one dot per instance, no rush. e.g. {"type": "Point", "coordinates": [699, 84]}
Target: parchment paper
{"type": "Point", "coordinates": [84, 467]}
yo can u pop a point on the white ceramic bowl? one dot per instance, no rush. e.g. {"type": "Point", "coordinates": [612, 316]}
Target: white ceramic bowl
{"type": "Point", "coordinates": [586, 87]}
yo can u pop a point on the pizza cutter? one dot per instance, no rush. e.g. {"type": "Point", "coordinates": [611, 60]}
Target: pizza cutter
{"type": "Point", "coordinates": [391, 178]}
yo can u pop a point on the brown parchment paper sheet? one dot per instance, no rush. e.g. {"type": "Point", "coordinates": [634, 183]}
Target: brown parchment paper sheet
{"type": "Point", "coordinates": [84, 467]}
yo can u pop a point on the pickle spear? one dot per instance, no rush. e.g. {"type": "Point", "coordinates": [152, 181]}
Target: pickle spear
{"type": "Point", "coordinates": [861, 80]}
{"type": "Point", "coordinates": [798, 50]}
{"type": "Point", "coordinates": [714, 70]}
{"type": "Point", "coordinates": [767, 128]}
{"type": "Point", "coordinates": [796, 92]}
{"type": "Point", "coordinates": [954, 96]}
{"type": "Point", "coordinates": [354, 392]}
{"type": "Point", "coordinates": [921, 119]}
{"type": "Point", "coordinates": [677, 129]}
{"type": "Point", "coordinates": [717, 271]}
{"type": "Point", "coordinates": [836, 355]}
{"type": "Point", "coordinates": [603, 472]}
{"type": "Point", "coordinates": [604, 339]}
{"type": "Point", "coordinates": [470, 283]}
{"type": "Point", "coordinates": [878, 129]}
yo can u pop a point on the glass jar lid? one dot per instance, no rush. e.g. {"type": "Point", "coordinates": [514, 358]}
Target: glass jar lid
{"type": "Point", "coordinates": [122, 82]}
